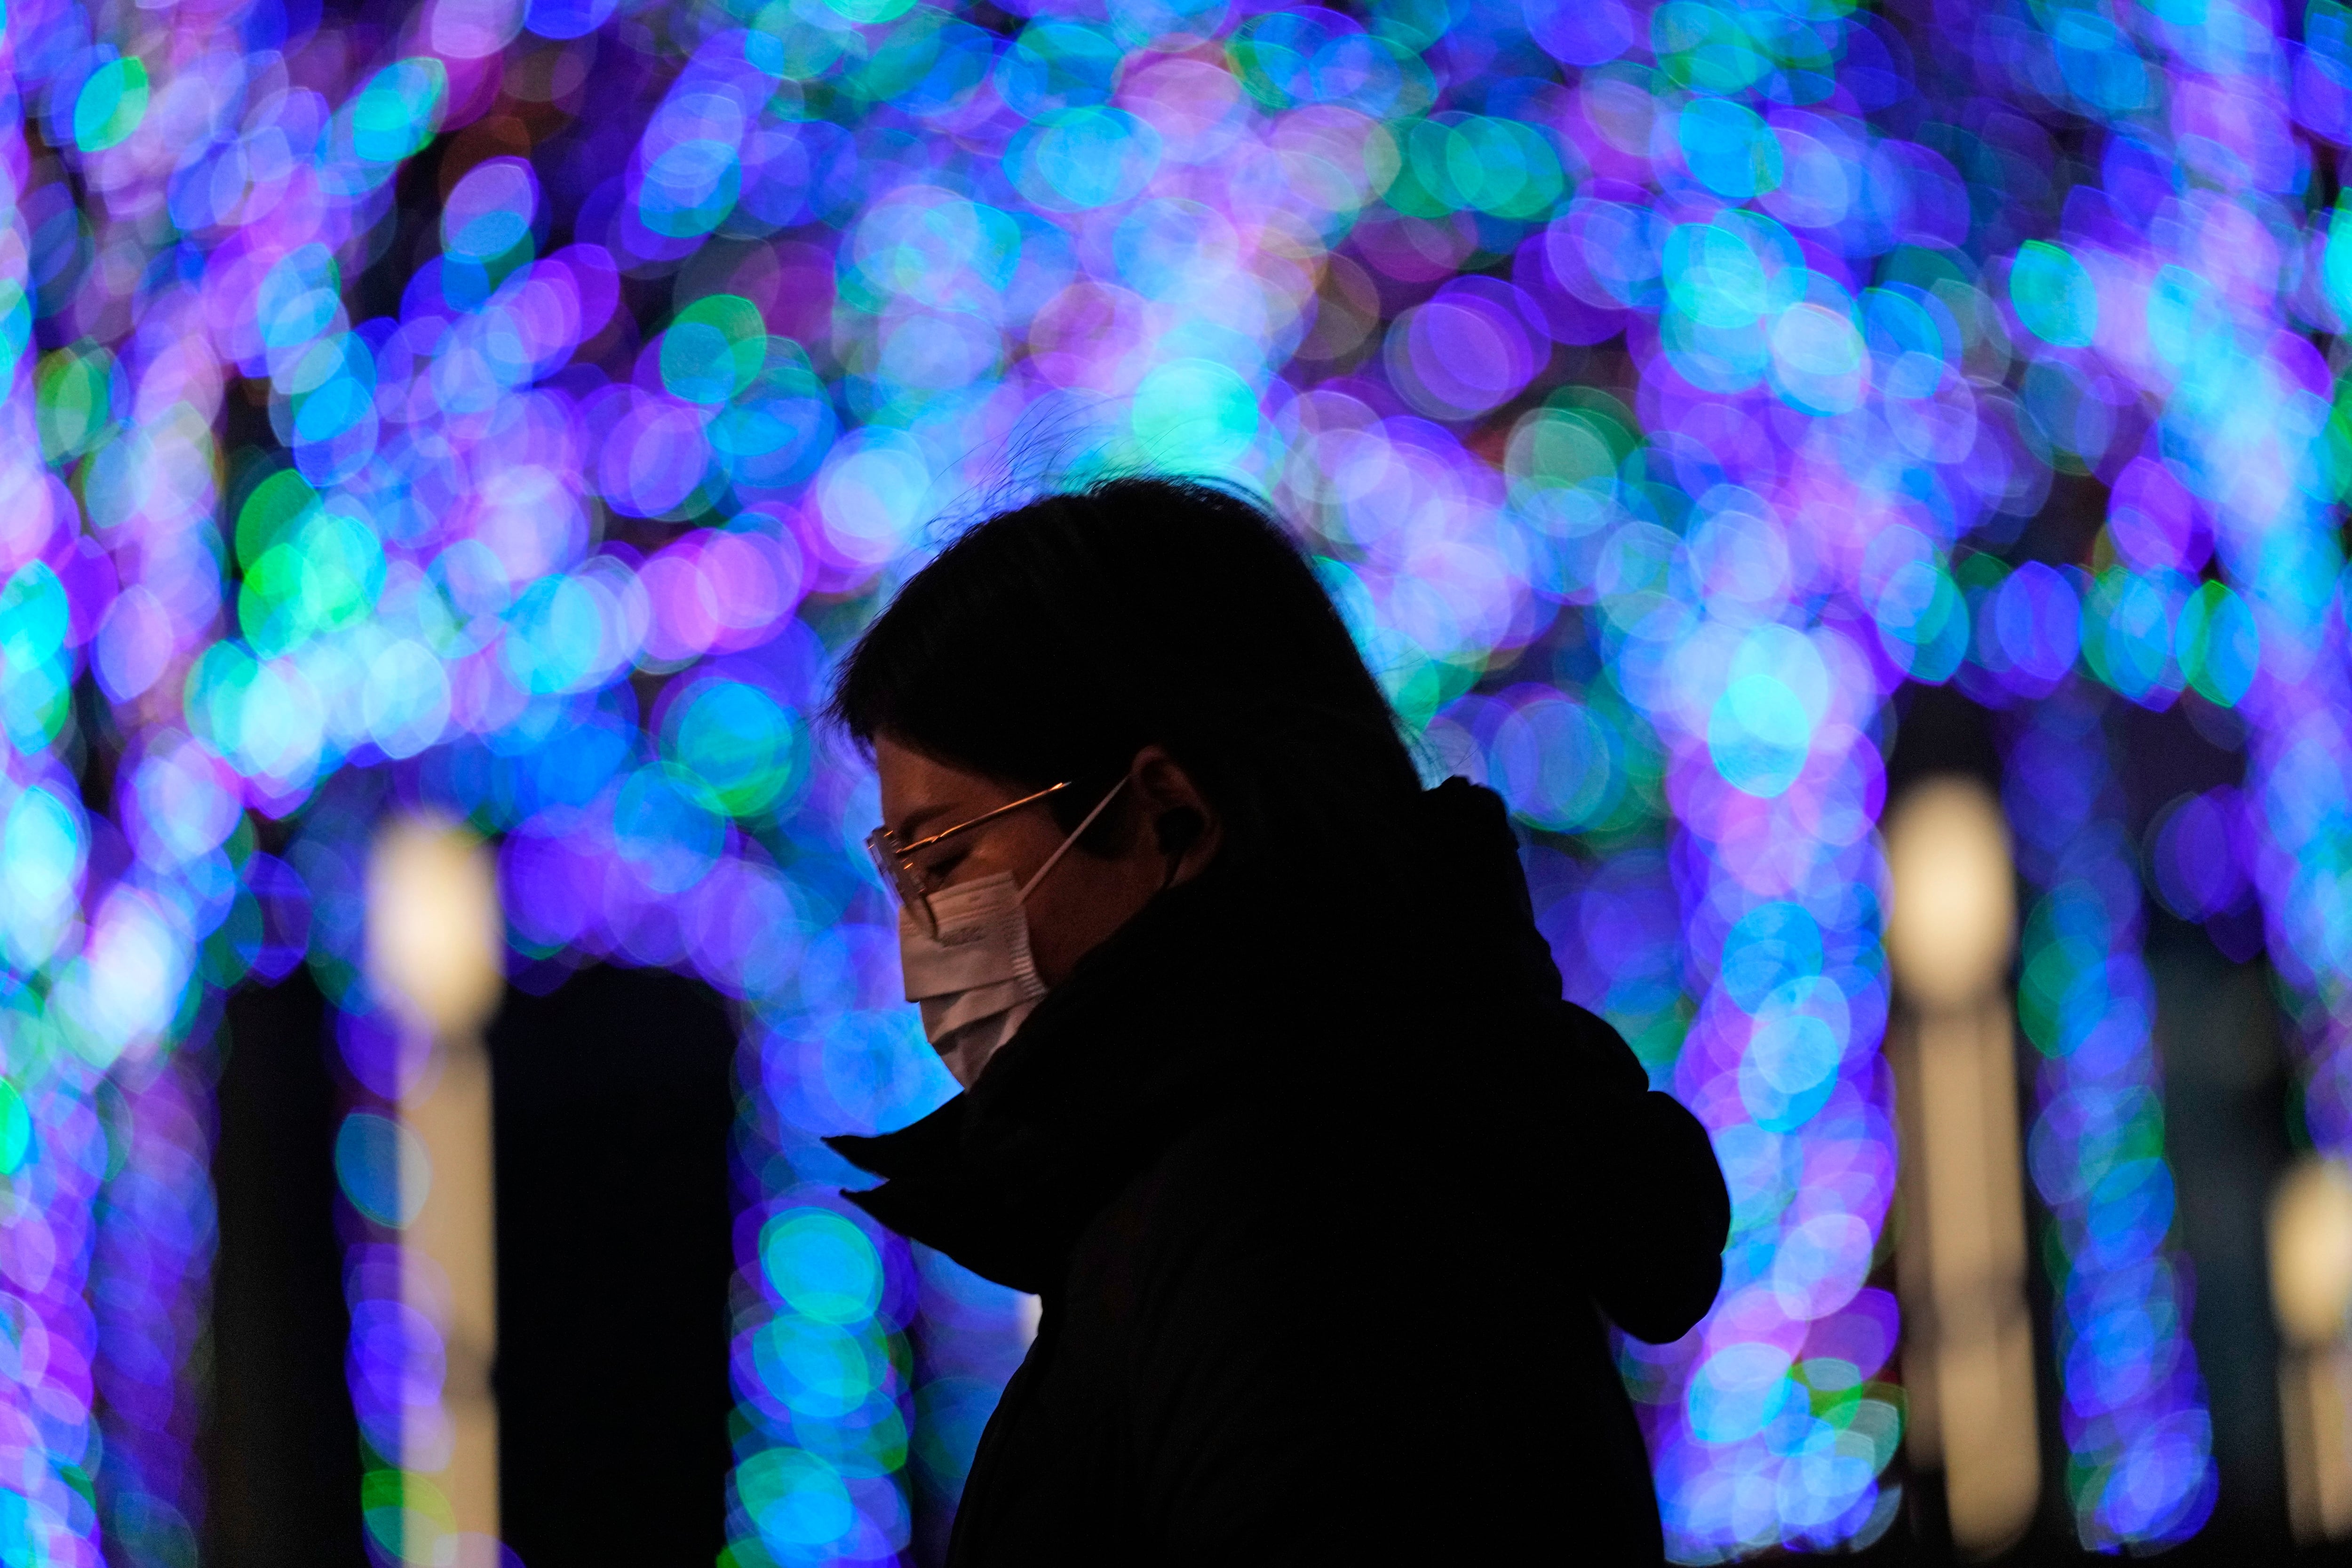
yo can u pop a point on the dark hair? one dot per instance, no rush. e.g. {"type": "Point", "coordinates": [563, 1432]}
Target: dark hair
{"type": "Point", "coordinates": [1055, 640]}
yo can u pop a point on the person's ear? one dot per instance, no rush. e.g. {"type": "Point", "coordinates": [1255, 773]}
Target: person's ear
{"type": "Point", "coordinates": [1185, 828]}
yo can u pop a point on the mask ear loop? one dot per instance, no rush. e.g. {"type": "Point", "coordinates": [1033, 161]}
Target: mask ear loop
{"type": "Point", "coordinates": [1075, 833]}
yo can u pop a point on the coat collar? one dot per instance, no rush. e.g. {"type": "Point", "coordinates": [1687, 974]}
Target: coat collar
{"type": "Point", "coordinates": [1163, 1024]}
{"type": "Point", "coordinates": [1225, 991]}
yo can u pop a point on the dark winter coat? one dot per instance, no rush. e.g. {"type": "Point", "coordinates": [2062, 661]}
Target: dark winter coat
{"type": "Point", "coordinates": [1326, 1207]}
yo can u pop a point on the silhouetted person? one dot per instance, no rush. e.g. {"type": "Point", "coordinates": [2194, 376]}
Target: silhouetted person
{"type": "Point", "coordinates": [1271, 1093]}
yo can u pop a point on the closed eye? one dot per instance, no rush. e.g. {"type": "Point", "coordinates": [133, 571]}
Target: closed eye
{"type": "Point", "coordinates": [937, 872]}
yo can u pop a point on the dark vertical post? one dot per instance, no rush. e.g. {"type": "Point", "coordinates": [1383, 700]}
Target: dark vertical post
{"type": "Point", "coordinates": [2225, 1079]}
{"type": "Point", "coordinates": [282, 1450]}
{"type": "Point", "coordinates": [614, 1102]}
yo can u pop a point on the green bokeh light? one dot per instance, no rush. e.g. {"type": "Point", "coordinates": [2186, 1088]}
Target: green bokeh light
{"type": "Point", "coordinates": [2052, 295]}
{"type": "Point", "coordinates": [111, 105]}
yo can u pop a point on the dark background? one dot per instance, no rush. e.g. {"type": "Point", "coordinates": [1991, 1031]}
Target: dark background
{"type": "Point", "coordinates": [613, 1102]}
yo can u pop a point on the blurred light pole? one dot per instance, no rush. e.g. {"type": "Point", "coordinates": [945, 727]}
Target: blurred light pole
{"type": "Point", "coordinates": [435, 941]}
{"type": "Point", "coordinates": [2311, 1288]}
{"type": "Point", "coordinates": [1969, 1365]}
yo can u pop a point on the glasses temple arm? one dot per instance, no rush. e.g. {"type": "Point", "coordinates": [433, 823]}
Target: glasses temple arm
{"type": "Point", "coordinates": [902, 851]}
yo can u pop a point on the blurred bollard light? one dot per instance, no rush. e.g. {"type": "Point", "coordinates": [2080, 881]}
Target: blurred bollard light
{"type": "Point", "coordinates": [435, 941]}
{"type": "Point", "coordinates": [1953, 921]}
{"type": "Point", "coordinates": [435, 935]}
{"type": "Point", "coordinates": [2310, 1290]}
{"type": "Point", "coordinates": [1950, 929]}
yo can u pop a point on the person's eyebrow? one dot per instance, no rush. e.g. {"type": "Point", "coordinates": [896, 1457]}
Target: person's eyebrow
{"type": "Point", "coordinates": [910, 827]}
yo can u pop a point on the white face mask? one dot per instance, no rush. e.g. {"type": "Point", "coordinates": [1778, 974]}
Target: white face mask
{"type": "Point", "coordinates": [975, 981]}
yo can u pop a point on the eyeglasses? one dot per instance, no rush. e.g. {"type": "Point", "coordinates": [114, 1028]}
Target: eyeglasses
{"type": "Point", "coordinates": [901, 864]}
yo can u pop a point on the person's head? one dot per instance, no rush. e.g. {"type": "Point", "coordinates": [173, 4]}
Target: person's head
{"type": "Point", "coordinates": [1160, 635]}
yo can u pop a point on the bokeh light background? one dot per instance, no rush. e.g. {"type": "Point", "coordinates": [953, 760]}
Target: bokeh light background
{"type": "Point", "coordinates": [513, 405]}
